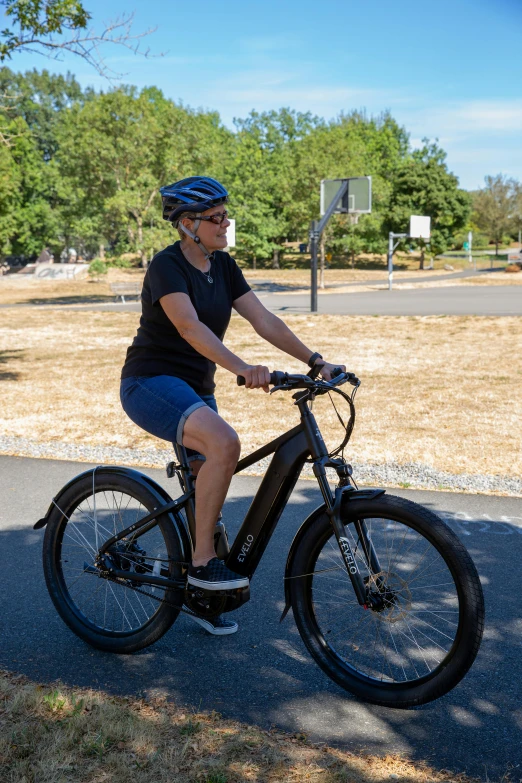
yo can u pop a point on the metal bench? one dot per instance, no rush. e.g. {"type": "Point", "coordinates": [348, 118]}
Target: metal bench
{"type": "Point", "coordinates": [121, 290]}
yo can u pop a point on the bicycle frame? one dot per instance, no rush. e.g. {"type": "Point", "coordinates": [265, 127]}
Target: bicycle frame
{"type": "Point", "coordinates": [290, 450]}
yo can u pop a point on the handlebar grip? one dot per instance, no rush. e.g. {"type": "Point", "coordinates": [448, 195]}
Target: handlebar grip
{"type": "Point", "coordinates": [275, 378]}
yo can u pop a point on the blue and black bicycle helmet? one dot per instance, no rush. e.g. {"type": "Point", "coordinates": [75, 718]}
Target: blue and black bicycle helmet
{"type": "Point", "coordinates": [193, 194]}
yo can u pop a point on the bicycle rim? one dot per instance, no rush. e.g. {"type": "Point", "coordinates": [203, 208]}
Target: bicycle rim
{"type": "Point", "coordinates": [107, 606]}
{"type": "Point", "coordinates": [416, 628]}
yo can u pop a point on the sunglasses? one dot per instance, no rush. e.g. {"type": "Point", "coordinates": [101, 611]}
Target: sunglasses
{"type": "Point", "coordinates": [217, 219]}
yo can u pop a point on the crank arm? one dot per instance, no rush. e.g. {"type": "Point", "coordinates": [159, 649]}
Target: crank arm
{"type": "Point", "coordinates": [117, 573]}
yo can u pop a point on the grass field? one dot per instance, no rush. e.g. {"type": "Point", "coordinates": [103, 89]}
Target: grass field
{"type": "Point", "coordinates": [16, 289]}
{"type": "Point", "coordinates": [444, 391]}
{"type": "Point", "coordinates": [54, 734]}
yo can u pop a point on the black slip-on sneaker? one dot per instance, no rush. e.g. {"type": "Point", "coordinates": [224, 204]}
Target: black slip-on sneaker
{"type": "Point", "coordinates": [215, 576]}
{"type": "Point", "coordinates": [217, 626]}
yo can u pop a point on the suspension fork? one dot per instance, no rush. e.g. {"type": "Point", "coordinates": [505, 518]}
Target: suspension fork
{"type": "Point", "coordinates": [333, 509]}
{"type": "Point", "coordinates": [367, 546]}
{"type": "Point", "coordinates": [334, 512]}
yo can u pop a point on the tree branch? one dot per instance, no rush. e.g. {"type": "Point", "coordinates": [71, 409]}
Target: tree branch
{"type": "Point", "coordinates": [86, 44]}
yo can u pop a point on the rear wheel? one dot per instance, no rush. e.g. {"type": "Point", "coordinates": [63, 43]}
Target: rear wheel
{"type": "Point", "coordinates": [111, 614]}
{"type": "Point", "coordinates": [425, 624]}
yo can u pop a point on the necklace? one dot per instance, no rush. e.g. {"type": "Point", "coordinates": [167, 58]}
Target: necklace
{"type": "Point", "coordinates": [207, 274]}
{"type": "Point", "coordinates": [209, 277]}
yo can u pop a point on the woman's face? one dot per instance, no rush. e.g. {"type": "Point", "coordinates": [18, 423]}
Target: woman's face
{"type": "Point", "coordinates": [212, 235]}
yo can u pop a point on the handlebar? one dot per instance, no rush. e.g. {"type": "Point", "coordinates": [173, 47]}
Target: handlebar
{"type": "Point", "coordinates": [284, 380]}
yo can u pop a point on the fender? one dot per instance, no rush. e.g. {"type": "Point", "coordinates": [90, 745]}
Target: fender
{"type": "Point", "coordinates": [161, 495]}
{"type": "Point", "coordinates": [348, 494]}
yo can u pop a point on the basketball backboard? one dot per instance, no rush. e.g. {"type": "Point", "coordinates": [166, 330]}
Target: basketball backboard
{"type": "Point", "coordinates": [231, 233]}
{"type": "Point", "coordinates": [357, 199]}
{"type": "Point", "coordinates": [420, 227]}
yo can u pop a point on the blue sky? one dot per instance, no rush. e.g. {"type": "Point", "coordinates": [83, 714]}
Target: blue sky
{"type": "Point", "coordinates": [446, 70]}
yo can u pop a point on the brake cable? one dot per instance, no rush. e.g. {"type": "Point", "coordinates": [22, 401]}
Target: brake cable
{"type": "Point", "coordinates": [351, 421]}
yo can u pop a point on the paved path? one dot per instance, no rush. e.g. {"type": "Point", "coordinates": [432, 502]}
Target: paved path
{"type": "Point", "coordinates": [266, 284]}
{"type": "Point", "coordinates": [451, 300]}
{"type": "Point", "coordinates": [448, 300]}
{"type": "Point", "coordinates": [263, 674]}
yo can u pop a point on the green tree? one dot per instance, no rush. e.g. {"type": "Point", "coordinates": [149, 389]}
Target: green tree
{"type": "Point", "coordinates": [424, 186]}
{"type": "Point", "coordinates": [263, 171]}
{"type": "Point", "coordinates": [494, 207]}
{"type": "Point", "coordinates": [142, 141]}
{"type": "Point", "coordinates": [28, 220]}
{"type": "Point", "coordinates": [9, 183]}
{"type": "Point", "coordinates": [251, 203]}
{"type": "Point", "coordinates": [40, 98]}
{"type": "Point", "coordinates": [350, 146]}
{"type": "Point", "coordinates": [517, 210]}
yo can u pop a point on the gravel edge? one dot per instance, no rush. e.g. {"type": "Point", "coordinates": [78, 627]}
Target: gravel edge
{"type": "Point", "coordinates": [412, 475]}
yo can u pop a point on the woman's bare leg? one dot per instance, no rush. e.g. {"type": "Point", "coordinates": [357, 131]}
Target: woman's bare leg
{"type": "Point", "coordinates": [206, 432]}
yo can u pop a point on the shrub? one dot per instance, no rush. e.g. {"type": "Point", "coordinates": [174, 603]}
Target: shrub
{"type": "Point", "coordinates": [97, 268]}
{"type": "Point", "coordinates": [120, 263]}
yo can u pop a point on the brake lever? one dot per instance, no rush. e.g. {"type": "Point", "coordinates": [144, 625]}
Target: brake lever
{"type": "Point", "coordinates": [284, 386]}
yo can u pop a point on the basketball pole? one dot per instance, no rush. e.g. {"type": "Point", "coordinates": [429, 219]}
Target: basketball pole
{"type": "Point", "coordinates": [391, 249]}
{"type": "Point", "coordinates": [316, 229]}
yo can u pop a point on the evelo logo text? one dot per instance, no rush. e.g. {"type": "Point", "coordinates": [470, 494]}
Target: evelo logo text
{"type": "Point", "coordinates": [244, 549]}
{"type": "Point", "coordinates": [347, 554]}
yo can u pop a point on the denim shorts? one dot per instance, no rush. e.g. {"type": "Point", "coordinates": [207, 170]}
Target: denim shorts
{"type": "Point", "coordinates": [161, 405]}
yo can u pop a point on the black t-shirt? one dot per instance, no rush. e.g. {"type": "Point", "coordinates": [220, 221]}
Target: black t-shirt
{"type": "Point", "coordinates": [158, 348]}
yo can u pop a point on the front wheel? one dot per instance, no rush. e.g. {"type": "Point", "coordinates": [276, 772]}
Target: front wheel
{"type": "Point", "coordinates": [111, 614]}
{"type": "Point", "coordinates": [424, 628]}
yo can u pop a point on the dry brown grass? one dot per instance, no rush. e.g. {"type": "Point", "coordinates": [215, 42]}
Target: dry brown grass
{"type": "Point", "coordinates": [54, 734]}
{"type": "Point", "coordinates": [19, 289]}
{"type": "Point", "coordinates": [445, 391]}
{"type": "Point", "coordinates": [335, 276]}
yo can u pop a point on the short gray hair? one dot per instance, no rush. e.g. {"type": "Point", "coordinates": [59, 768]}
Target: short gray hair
{"type": "Point", "coordinates": [183, 215]}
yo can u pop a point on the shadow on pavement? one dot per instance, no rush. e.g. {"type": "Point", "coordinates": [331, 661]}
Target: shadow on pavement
{"type": "Point", "coordinates": [69, 300]}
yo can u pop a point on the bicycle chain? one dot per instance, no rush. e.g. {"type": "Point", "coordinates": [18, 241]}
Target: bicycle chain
{"type": "Point", "coordinates": [183, 609]}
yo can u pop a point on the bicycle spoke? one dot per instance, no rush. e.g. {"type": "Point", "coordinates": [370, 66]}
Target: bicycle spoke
{"type": "Point", "coordinates": [397, 641]}
{"type": "Point", "coordinates": [100, 600]}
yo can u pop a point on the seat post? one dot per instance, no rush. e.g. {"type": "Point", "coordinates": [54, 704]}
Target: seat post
{"type": "Point", "coordinates": [189, 481]}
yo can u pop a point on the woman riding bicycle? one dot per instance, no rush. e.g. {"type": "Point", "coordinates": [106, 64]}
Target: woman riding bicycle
{"type": "Point", "coordinates": [167, 385]}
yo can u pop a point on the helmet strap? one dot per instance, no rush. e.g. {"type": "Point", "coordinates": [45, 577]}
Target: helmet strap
{"type": "Point", "coordinates": [196, 239]}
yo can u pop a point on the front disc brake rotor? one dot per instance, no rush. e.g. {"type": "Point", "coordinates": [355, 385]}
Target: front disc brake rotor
{"type": "Point", "coordinates": [389, 596]}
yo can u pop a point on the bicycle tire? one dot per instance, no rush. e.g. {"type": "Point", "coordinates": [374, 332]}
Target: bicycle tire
{"type": "Point", "coordinates": [363, 682]}
{"type": "Point", "coordinates": [73, 522]}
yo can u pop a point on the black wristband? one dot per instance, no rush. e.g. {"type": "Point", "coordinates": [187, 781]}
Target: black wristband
{"type": "Point", "coordinates": [313, 358]}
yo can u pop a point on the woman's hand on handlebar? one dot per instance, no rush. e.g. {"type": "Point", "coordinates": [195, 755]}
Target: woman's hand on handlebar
{"type": "Point", "coordinates": [256, 376]}
{"type": "Point", "coordinates": [327, 369]}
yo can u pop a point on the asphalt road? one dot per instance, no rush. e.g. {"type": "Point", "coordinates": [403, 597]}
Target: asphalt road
{"type": "Point", "coordinates": [263, 673]}
{"type": "Point", "coordinates": [450, 300]}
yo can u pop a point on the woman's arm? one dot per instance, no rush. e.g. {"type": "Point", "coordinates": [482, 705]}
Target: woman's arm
{"type": "Point", "coordinates": [275, 331]}
{"type": "Point", "coordinates": [180, 310]}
